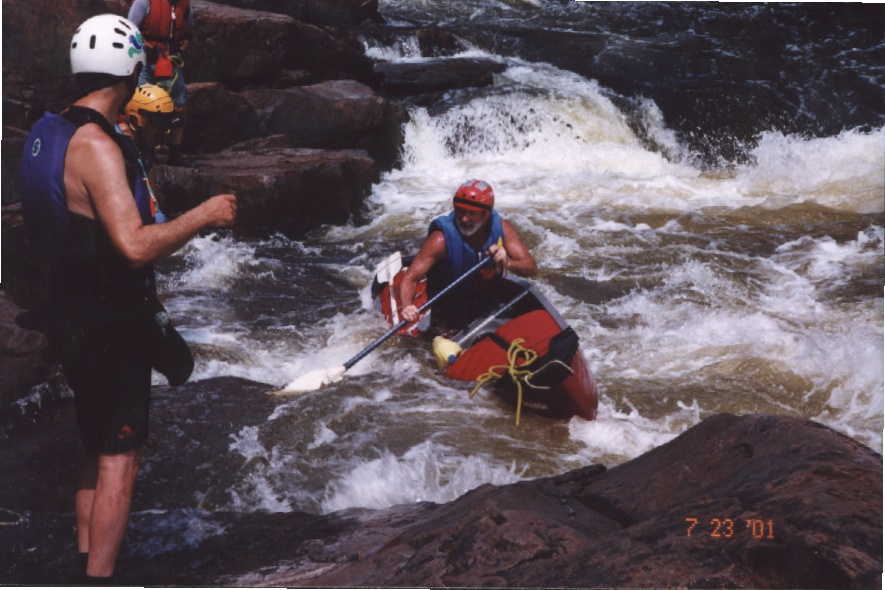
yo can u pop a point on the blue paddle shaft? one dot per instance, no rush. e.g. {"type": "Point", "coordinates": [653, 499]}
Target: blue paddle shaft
{"type": "Point", "coordinates": [360, 355]}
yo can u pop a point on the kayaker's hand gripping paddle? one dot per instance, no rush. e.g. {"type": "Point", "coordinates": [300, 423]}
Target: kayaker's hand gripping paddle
{"type": "Point", "coordinates": [319, 377]}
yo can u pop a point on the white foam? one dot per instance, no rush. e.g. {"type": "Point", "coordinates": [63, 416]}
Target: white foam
{"type": "Point", "coordinates": [616, 436]}
{"type": "Point", "coordinates": [825, 259]}
{"type": "Point", "coordinates": [215, 261]}
{"type": "Point", "coordinates": [428, 472]}
{"type": "Point", "coordinates": [324, 435]}
{"type": "Point", "coordinates": [255, 489]}
{"type": "Point", "coordinates": [844, 171]}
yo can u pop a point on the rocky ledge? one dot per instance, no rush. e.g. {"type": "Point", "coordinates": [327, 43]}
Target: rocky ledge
{"type": "Point", "coordinates": [736, 501]}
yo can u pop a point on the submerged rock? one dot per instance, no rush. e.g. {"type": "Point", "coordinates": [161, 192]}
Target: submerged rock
{"type": "Point", "coordinates": [750, 501]}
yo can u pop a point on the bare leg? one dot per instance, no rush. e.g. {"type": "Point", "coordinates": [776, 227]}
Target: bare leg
{"type": "Point", "coordinates": [110, 510]}
{"type": "Point", "coordinates": [84, 499]}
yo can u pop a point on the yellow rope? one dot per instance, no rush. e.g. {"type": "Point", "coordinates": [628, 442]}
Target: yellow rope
{"type": "Point", "coordinates": [519, 376]}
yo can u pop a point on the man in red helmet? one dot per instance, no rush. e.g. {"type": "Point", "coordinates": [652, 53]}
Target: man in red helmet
{"type": "Point", "coordinates": [455, 243]}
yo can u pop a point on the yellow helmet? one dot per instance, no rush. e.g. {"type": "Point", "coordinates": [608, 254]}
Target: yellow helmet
{"type": "Point", "coordinates": [151, 103]}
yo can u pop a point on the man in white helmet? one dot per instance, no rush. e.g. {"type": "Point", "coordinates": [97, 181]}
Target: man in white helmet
{"type": "Point", "coordinates": [99, 242]}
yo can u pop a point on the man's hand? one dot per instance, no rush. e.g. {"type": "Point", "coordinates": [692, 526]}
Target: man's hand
{"type": "Point", "coordinates": [221, 210]}
{"type": "Point", "coordinates": [500, 258]}
{"type": "Point", "coordinates": [409, 313]}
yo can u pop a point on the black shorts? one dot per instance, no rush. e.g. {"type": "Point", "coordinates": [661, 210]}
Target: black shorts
{"type": "Point", "coordinates": [110, 372]}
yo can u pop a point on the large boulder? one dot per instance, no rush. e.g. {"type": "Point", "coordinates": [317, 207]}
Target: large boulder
{"type": "Point", "coordinates": [329, 53]}
{"type": "Point", "coordinates": [436, 75]}
{"type": "Point", "coordinates": [248, 48]}
{"type": "Point", "coordinates": [36, 46]}
{"type": "Point", "coordinates": [277, 188]}
{"type": "Point", "coordinates": [334, 114]}
{"type": "Point", "coordinates": [236, 46]}
{"type": "Point", "coordinates": [336, 13]}
{"type": "Point", "coordinates": [736, 501]}
{"type": "Point", "coordinates": [754, 501]}
{"type": "Point", "coordinates": [432, 41]}
{"type": "Point", "coordinates": [217, 118]}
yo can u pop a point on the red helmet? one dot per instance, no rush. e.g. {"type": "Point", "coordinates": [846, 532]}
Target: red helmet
{"type": "Point", "coordinates": [476, 195]}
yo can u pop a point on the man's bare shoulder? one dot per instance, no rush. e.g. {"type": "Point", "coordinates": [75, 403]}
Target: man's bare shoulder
{"type": "Point", "coordinates": [92, 138]}
{"type": "Point", "coordinates": [92, 151]}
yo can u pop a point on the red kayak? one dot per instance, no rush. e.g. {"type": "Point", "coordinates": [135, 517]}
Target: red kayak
{"type": "Point", "coordinates": [521, 347]}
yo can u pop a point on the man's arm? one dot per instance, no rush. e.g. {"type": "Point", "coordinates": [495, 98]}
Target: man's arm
{"type": "Point", "coordinates": [515, 256]}
{"type": "Point", "coordinates": [95, 179]}
{"type": "Point", "coordinates": [432, 250]}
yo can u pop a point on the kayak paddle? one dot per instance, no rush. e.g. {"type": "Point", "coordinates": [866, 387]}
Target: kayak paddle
{"type": "Point", "coordinates": [319, 377]}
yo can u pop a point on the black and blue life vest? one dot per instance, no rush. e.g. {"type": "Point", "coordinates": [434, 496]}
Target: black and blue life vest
{"type": "Point", "coordinates": [461, 305]}
{"type": "Point", "coordinates": [88, 277]}
{"type": "Point", "coordinates": [43, 169]}
{"type": "Point", "coordinates": [460, 255]}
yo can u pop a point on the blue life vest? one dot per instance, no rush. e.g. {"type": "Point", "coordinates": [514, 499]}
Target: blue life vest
{"type": "Point", "coordinates": [42, 175]}
{"type": "Point", "coordinates": [460, 255]}
{"type": "Point", "coordinates": [89, 280]}
{"type": "Point", "coordinates": [463, 304]}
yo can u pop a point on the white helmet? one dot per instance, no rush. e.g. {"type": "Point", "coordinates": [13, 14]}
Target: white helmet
{"type": "Point", "coordinates": [107, 44]}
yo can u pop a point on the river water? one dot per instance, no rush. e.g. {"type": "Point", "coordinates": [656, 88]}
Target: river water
{"type": "Point", "coordinates": [750, 285]}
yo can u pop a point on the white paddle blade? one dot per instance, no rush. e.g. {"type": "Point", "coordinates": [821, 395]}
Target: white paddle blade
{"type": "Point", "coordinates": [387, 268]}
{"type": "Point", "coordinates": [313, 380]}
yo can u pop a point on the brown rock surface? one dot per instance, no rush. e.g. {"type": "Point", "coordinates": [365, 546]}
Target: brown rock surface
{"type": "Point", "coordinates": [277, 188]}
{"type": "Point", "coordinates": [217, 118]}
{"type": "Point", "coordinates": [23, 360]}
{"type": "Point", "coordinates": [338, 13]}
{"type": "Point", "coordinates": [236, 46]}
{"type": "Point", "coordinates": [436, 75]}
{"type": "Point", "coordinates": [780, 503]}
{"type": "Point", "coordinates": [332, 115]}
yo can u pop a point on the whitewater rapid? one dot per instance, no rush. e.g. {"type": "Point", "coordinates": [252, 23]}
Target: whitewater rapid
{"type": "Point", "coordinates": [751, 288]}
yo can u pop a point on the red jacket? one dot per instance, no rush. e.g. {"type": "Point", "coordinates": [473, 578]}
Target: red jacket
{"type": "Point", "coordinates": [159, 24]}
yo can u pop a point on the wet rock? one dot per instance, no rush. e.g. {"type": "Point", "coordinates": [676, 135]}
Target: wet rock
{"type": "Point", "coordinates": [337, 13]}
{"type": "Point", "coordinates": [432, 41]}
{"type": "Point", "coordinates": [436, 42]}
{"type": "Point", "coordinates": [36, 78]}
{"type": "Point", "coordinates": [291, 78]}
{"type": "Point", "coordinates": [751, 501]}
{"type": "Point", "coordinates": [248, 48]}
{"type": "Point", "coordinates": [23, 354]}
{"type": "Point", "coordinates": [190, 433]}
{"type": "Point", "coordinates": [329, 53]}
{"type": "Point", "coordinates": [331, 115]}
{"type": "Point", "coordinates": [25, 280]}
{"type": "Point", "coordinates": [217, 118]}
{"type": "Point", "coordinates": [13, 142]}
{"type": "Point", "coordinates": [437, 75]}
{"type": "Point", "coordinates": [237, 47]}
{"type": "Point", "coordinates": [284, 189]}
{"type": "Point", "coordinates": [261, 144]}
{"type": "Point", "coordinates": [754, 501]}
